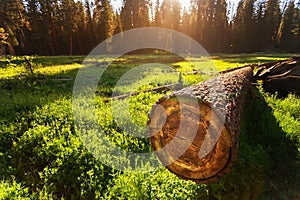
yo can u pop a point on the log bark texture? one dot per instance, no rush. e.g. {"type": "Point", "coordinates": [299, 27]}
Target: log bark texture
{"type": "Point", "coordinates": [195, 131]}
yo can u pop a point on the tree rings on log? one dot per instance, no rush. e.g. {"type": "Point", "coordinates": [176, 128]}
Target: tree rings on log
{"type": "Point", "coordinates": [195, 131]}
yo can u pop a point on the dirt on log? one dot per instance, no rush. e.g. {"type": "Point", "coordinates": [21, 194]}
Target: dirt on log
{"type": "Point", "coordinates": [195, 131]}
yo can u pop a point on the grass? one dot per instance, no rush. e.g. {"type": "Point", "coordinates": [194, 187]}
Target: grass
{"type": "Point", "coordinates": [42, 156]}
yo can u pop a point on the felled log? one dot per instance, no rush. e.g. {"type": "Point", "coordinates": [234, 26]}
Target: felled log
{"type": "Point", "coordinates": [281, 77]}
{"type": "Point", "coordinates": [195, 131]}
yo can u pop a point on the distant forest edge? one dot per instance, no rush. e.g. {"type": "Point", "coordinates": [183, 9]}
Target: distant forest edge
{"type": "Point", "coordinates": [70, 27]}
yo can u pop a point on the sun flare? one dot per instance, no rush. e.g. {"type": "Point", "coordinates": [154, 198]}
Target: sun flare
{"type": "Point", "coordinates": [185, 3]}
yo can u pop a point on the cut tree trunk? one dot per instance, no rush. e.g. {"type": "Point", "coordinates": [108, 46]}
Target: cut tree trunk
{"type": "Point", "coordinates": [195, 131]}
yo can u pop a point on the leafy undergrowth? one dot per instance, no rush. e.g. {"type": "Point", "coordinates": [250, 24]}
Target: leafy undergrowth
{"type": "Point", "coordinates": [13, 190]}
{"type": "Point", "coordinates": [42, 155]}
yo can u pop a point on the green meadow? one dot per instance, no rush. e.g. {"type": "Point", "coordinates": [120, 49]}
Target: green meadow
{"type": "Point", "coordinates": [42, 156]}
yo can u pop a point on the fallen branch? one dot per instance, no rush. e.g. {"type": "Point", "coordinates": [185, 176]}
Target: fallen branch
{"type": "Point", "coordinates": [280, 77]}
{"type": "Point", "coordinates": [30, 68]}
{"type": "Point", "coordinates": [157, 89]}
{"type": "Point", "coordinates": [55, 79]}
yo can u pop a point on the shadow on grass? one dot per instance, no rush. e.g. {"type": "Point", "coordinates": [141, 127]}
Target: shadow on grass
{"type": "Point", "coordinates": [268, 164]}
{"type": "Point", "coordinates": [266, 146]}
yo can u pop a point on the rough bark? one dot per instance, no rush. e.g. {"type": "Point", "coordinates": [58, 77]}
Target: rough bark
{"type": "Point", "coordinates": [195, 131]}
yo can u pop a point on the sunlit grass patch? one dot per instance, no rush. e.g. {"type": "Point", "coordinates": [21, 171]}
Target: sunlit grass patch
{"type": "Point", "coordinates": [57, 69]}
{"type": "Point", "coordinates": [11, 72]}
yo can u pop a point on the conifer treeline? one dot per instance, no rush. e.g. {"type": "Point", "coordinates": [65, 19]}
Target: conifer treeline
{"type": "Point", "coordinates": [71, 27]}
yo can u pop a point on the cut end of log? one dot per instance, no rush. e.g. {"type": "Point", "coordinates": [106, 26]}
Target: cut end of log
{"type": "Point", "coordinates": [195, 132]}
{"type": "Point", "coordinates": [205, 153]}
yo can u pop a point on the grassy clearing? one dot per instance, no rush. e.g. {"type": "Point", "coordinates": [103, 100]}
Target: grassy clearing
{"type": "Point", "coordinates": [42, 157]}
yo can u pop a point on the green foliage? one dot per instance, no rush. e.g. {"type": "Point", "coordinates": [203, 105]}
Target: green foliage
{"type": "Point", "coordinates": [155, 185]}
{"type": "Point", "coordinates": [14, 190]}
{"type": "Point", "coordinates": [287, 113]}
{"type": "Point", "coordinates": [51, 158]}
{"type": "Point", "coordinates": [7, 135]}
{"type": "Point", "coordinates": [129, 122]}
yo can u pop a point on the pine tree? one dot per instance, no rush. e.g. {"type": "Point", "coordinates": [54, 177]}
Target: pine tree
{"type": "Point", "coordinates": [157, 18]}
{"type": "Point", "coordinates": [126, 15]}
{"type": "Point", "coordinates": [80, 28]}
{"type": "Point", "coordinates": [36, 32]}
{"type": "Point", "coordinates": [135, 14]}
{"type": "Point", "coordinates": [67, 16]}
{"type": "Point", "coordinates": [220, 26]}
{"type": "Point", "coordinates": [170, 13]}
{"type": "Point", "coordinates": [244, 26]}
{"type": "Point", "coordinates": [205, 23]}
{"type": "Point", "coordinates": [258, 38]}
{"type": "Point", "coordinates": [118, 24]}
{"type": "Point", "coordinates": [193, 19]}
{"type": "Point", "coordinates": [12, 18]}
{"type": "Point", "coordinates": [288, 33]}
{"type": "Point", "coordinates": [296, 30]}
{"type": "Point", "coordinates": [106, 21]}
{"type": "Point", "coordinates": [272, 19]}
{"type": "Point", "coordinates": [50, 17]}
{"type": "Point", "coordinates": [212, 24]}
{"type": "Point", "coordinates": [97, 12]}
{"type": "Point", "coordinates": [141, 14]}
{"type": "Point", "coordinates": [186, 23]}
{"type": "Point", "coordinates": [89, 36]}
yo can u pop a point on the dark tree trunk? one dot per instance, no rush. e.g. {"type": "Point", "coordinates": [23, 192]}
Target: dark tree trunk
{"type": "Point", "coordinates": [71, 43]}
{"type": "Point", "coordinates": [54, 37]}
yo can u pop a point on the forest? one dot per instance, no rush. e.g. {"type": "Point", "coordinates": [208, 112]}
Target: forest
{"type": "Point", "coordinates": [72, 27]}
